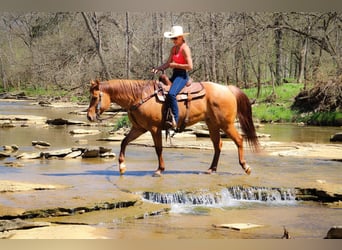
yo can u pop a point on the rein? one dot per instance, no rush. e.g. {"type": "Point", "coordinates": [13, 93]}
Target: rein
{"type": "Point", "coordinates": [142, 101]}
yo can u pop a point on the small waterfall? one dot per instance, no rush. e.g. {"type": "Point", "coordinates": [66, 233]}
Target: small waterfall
{"type": "Point", "coordinates": [229, 196]}
{"type": "Point", "coordinates": [262, 194]}
{"type": "Point", "coordinates": [181, 197]}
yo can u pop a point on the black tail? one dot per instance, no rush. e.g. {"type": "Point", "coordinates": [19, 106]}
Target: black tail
{"type": "Point", "coordinates": [244, 113]}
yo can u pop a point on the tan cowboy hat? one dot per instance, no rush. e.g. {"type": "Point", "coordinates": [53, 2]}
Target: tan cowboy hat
{"type": "Point", "coordinates": [176, 31]}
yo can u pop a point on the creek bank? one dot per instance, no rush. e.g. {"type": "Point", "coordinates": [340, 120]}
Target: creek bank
{"type": "Point", "coordinates": [86, 215]}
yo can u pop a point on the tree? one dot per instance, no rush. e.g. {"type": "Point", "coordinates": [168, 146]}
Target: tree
{"type": "Point", "coordinates": [93, 25]}
{"type": "Point", "coordinates": [278, 40]}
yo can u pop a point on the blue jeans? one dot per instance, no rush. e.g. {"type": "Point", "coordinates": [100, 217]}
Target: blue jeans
{"type": "Point", "coordinates": [179, 78]}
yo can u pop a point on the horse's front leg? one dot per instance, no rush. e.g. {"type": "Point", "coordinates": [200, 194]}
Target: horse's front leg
{"type": "Point", "coordinates": [158, 145]}
{"type": "Point", "coordinates": [133, 134]}
{"type": "Point", "coordinates": [217, 143]}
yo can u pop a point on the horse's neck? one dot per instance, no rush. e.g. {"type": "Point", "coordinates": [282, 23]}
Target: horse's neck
{"type": "Point", "coordinates": [126, 92]}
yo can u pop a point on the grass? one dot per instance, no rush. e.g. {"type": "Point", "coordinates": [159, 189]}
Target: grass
{"type": "Point", "coordinates": [324, 119]}
{"type": "Point", "coordinates": [280, 109]}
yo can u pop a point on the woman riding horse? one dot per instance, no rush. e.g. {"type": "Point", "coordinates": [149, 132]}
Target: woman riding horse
{"type": "Point", "coordinates": [181, 62]}
{"type": "Point", "coordinates": [218, 108]}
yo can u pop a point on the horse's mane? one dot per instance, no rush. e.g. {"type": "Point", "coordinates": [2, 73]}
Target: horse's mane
{"type": "Point", "coordinates": [127, 88]}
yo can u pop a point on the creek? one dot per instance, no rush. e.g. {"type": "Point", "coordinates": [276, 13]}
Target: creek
{"type": "Point", "coordinates": [268, 197]}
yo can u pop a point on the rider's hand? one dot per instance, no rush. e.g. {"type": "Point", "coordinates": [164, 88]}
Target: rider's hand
{"type": "Point", "coordinates": [155, 70]}
{"type": "Point", "coordinates": [161, 68]}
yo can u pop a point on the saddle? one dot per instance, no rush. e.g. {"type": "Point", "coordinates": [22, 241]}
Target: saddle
{"type": "Point", "coordinates": [192, 90]}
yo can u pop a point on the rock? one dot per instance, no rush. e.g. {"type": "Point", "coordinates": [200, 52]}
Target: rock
{"type": "Point", "coordinates": [91, 153]}
{"type": "Point", "coordinates": [61, 121]}
{"type": "Point", "coordinates": [30, 156]}
{"type": "Point", "coordinates": [41, 143]}
{"type": "Point", "coordinates": [73, 154]}
{"type": "Point", "coordinates": [10, 148]}
{"type": "Point", "coordinates": [15, 224]}
{"type": "Point", "coordinates": [84, 131]}
{"type": "Point", "coordinates": [108, 155]}
{"type": "Point", "coordinates": [7, 125]}
{"type": "Point", "coordinates": [44, 103]}
{"type": "Point", "coordinates": [7, 148]}
{"type": "Point", "coordinates": [104, 150]}
{"type": "Point", "coordinates": [238, 226]}
{"type": "Point", "coordinates": [57, 153]}
{"type": "Point", "coordinates": [4, 155]}
{"type": "Point", "coordinates": [334, 233]}
{"type": "Point", "coordinates": [58, 121]}
{"type": "Point", "coordinates": [261, 135]}
{"type": "Point", "coordinates": [21, 120]}
{"type": "Point", "coordinates": [82, 142]}
{"type": "Point", "coordinates": [13, 164]}
{"type": "Point", "coordinates": [336, 137]}
{"type": "Point", "coordinates": [74, 122]}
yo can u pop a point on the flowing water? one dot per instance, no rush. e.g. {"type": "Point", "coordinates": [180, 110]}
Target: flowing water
{"type": "Point", "coordinates": [268, 197]}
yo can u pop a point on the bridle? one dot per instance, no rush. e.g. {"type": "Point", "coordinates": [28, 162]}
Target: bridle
{"type": "Point", "coordinates": [98, 109]}
{"type": "Point", "coordinates": [98, 106]}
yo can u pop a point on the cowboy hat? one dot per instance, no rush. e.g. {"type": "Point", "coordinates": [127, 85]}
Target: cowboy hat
{"type": "Point", "coordinates": [175, 32]}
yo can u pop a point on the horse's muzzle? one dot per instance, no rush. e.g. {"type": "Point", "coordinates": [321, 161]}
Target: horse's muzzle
{"type": "Point", "coordinates": [94, 118]}
{"type": "Point", "coordinates": [91, 118]}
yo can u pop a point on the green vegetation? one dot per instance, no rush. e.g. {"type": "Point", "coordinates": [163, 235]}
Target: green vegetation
{"type": "Point", "coordinates": [275, 107]}
{"type": "Point", "coordinates": [123, 122]}
{"type": "Point", "coordinates": [324, 119]}
{"type": "Point", "coordinates": [33, 91]}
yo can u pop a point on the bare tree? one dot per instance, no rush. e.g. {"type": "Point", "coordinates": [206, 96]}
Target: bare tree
{"type": "Point", "coordinates": [278, 39]}
{"type": "Point", "coordinates": [94, 30]}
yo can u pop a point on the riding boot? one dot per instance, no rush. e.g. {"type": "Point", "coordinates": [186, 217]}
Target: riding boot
{"type": "Point", "coordinates": [170, 120]}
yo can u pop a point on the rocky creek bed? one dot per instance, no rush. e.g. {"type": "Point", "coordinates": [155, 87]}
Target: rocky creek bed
{"type": "Point", "coordinates": [59, 199]}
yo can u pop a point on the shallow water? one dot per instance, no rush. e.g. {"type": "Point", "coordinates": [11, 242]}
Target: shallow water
{"type": "Point", "coordinates": [184, 169]}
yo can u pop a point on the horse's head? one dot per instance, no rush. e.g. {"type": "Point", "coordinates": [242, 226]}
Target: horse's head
{"type": "Point", "coordinates": [99, 102]}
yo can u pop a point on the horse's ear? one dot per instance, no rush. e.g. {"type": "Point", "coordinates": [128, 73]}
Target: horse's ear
{"type": "Point", "coordinates": [94, 84]}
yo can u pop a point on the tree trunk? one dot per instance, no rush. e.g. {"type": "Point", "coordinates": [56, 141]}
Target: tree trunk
{"type": "Point", "coordinates": [212, 47]}
{"type": "Point", "coordinates": [205, 60]}
{"type": "Point", "coordinates": [302, 61]}
{"type": "Point", "coordinates": [96, 36]}
{"type": "Point", "coordinates": [3, 75]}
{"type": "Point", "coordinates": [127, 48]}
{"type": "Point", "coordinates": [278, 36]}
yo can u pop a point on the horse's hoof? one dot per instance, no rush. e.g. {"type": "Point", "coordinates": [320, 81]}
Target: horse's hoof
{"type": "Point", "coordinates": [248, 170]}
{"type": "Point", "coordinates": [210, 171]}
{"type": "Point", "coordinates": [156, 174]}
{"type": "Point", "coordinates": [122, 168]}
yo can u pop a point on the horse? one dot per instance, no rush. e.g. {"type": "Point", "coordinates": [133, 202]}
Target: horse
{"type": "Point", "coordinates": [219, 108]}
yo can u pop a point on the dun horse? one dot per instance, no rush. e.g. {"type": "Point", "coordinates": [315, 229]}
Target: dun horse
{"type": "Point", "coordinates": [219, 108]}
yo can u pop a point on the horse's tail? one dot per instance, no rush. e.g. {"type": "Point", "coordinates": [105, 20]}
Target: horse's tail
{"type": "Point", "coordinates": [244, 113]}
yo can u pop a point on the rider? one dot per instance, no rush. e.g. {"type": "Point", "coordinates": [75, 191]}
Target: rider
{"type": "Point", "coordinates": [181, 62]}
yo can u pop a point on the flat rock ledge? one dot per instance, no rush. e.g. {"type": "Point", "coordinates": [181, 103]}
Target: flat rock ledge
{"type": "Point", "coordinates": [67, 153]}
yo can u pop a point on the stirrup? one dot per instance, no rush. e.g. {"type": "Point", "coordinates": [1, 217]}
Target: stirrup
{"type": "Point", "coordinates": [171, 124]}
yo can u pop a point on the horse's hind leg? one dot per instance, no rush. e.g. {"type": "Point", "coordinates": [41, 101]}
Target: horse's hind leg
{"type": "Point", "coordinates": [238, 139]}
{"type": "Point", "coordinates": [132, 135]}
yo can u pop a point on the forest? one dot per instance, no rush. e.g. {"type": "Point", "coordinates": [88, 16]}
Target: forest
{"type": "Point", "coordinates": [65, 50]}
